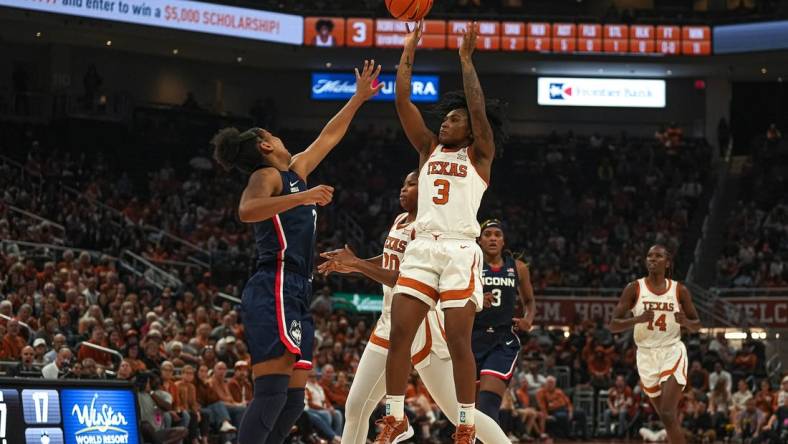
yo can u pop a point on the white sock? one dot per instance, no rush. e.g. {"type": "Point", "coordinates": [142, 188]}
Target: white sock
{"type": "Point", "coordinates": [466, 414]}
{"type": "Point", "coordinates": [395, 406]}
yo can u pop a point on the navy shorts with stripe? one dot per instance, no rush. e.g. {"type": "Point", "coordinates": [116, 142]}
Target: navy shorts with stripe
{"type": "Point", "coordinates": [276, 318]}
{"type": "Point", "coordinates": [495, 352]}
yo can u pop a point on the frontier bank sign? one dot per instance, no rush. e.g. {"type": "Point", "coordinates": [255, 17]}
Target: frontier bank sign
{"type": "Point", "coordinates": [625, 93]}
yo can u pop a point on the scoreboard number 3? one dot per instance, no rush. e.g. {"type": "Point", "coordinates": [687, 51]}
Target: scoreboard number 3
{"type": "Point", "coordinates": [359, 32]}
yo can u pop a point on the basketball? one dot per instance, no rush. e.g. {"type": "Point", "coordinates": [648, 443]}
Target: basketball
{"type": "Point", "coordinates": [409, 10]}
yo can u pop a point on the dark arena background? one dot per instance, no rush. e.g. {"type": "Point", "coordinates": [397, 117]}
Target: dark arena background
{"type": "Point", "coordinates": [631, 122]}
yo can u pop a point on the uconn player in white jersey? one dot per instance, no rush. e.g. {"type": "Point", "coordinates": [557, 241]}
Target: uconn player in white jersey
{"type": "Point", "coordinates": [659, 306]}
{"type": "Point", "coordinates": [443, 263]}
{"type": "Point", "coordinates": [429, 353]}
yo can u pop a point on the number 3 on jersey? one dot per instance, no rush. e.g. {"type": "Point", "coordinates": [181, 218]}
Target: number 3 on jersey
{"type": "Point", "coordinates": [660, 322]}
{"type": "Point", "coordinates": [443, 187]}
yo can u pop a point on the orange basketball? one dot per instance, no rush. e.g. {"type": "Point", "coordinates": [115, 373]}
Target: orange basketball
{"type": "Point", "coordinates": [409, 10]}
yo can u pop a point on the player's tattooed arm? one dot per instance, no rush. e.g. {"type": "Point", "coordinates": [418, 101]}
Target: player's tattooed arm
{"type": "Point", "coordinates": [483, 143]}
{"type": "Point", "coordinates": [621, 321]}
{"type": "Point", "coordinates": [688, 316]}
{"type": "Point", "coordinates": [305, 162]}
{"type": "Point", "coordinates": [412, 121]}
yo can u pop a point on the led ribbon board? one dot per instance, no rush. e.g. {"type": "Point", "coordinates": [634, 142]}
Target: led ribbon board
{"type": "Point", "coordinates": [179, 14]}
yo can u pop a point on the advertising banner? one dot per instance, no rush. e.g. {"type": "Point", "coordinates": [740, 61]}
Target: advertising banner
{"type": "Point", "coordinates": [180, 14]}
{"type": "Point", "coordinates": [99, 416]}
{"type": "Point", "coordinates": [340, 86]}
{"type": "Point", "coordinates": [745, 312]}
{"type": "Point", "coordinates": [358, 302]}
{"type": "Point", "coordinates": [35, 411]}
{"type": "Point", "coordinates": [628, 93]}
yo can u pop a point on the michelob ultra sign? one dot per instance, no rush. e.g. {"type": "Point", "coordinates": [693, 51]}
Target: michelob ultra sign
{"type": "Point", "coordinates": [340, 86]}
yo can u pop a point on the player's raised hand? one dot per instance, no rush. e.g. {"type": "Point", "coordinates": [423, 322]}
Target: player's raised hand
{"type": "Point", "coordinates": [469, 40]}
{"type": "Point", "coordinates": [366, 85]}
{"type": "Point", "coordinates": [646, 316]}
{"type": "Point", "coordinates": [413, 36]}
{"type": "Point", "coordinates": [521, 324]}
{"type": "Point", "coordinates": [319, 195]}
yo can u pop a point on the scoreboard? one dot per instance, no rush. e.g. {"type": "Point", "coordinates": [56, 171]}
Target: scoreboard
{"type": "Point", "coordinates": [67, 412]}
{"type": "Point", "coordinates": [544, 37]}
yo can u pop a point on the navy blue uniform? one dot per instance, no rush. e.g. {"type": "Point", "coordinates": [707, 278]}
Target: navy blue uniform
{"type": "Point", "coordinates": [495, 345]}
{"type": "Point", "coordinates": [276, 299]}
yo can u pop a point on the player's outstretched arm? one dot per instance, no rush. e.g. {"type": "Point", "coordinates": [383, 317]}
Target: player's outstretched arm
{"type": "Point", "coordinates": [305, 162]}
{"type": "Point", "coordinates": [483, 143]}
{"type": "Point", "coordinates": [628, 299]}
{"type": "Point", "coordinates": [688, 316]}
{"type": "Point", "coordinates": [527, 296]}
{"type": "Point", "coordinates": [344, 260]}
{"type": "Point", "coordinates": [260, 200]}
{"type": "Point", "coordinates": [409, 115]}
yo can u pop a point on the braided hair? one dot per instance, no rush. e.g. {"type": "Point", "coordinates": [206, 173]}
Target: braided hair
{"type": "Point", "coordinates": [496, 223]}
{"type": "Point", "coordinates": [494, 108]}
{"type": "Point", "coordinates": [234, 149]}
{"type": "Point", "coordinates": [669, 269]}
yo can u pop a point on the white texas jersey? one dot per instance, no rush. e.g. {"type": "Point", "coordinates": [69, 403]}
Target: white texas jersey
{"type": "Point", "coordinates": [663, 331]}
{"type": "Point", "coordinates": [450, 192]}
{"type": "Point", "coordinates": [393, 251]}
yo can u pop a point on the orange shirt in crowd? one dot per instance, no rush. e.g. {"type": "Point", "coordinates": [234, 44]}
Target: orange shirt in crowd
{"type": "Point", "coordinates": [522, 396]}
{"type": "Point", "coordinates": [338, 395]}
{"type": "Point", "coordinates": [171, 388]}
{"type": "Point", "coordinates": [241, 391]}
{"type": "Point", "coordinates": [101, 358]}
{"type": "Point", "coordinates": [11, 347]}
{"type": "Point", "coordinates": [187, 394]}
{"type": "Point", "coordinates": [552, 401]}
{"type": "Point", "coordinates": [600, 365]}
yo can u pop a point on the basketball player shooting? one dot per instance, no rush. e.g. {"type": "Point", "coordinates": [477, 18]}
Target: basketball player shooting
{"type": "Point", "coordinates": [443, 262]}
{"type": "Point", "coordinates": [660, 307]}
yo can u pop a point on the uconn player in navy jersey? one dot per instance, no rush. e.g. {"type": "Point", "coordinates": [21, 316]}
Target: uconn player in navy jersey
{"type": "Point", "coordinates": [495, 344]}
{"type": "Point", "coordinates": [275, 301]}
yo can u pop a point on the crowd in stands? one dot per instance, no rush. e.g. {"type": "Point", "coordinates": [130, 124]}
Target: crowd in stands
{"type": "Point", "coordinates": [73, 313]}
{"type": "Point", "coordinates": [73, 316]}
{"type": "Point", "coordinates": [756, 247]}
{"type": "Point", "coordinates": [575, 229]}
